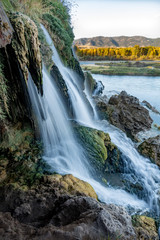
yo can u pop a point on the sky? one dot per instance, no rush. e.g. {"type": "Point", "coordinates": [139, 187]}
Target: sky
{"type": "Point", "coordinates": [111, 18]}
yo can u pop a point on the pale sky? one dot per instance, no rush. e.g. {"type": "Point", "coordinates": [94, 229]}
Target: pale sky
{"type": "Point", "coordinates": [116, 18]}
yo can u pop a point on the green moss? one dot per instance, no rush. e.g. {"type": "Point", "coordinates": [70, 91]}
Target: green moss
{"type": "Point", "coordinates": [61, 37]}
{"type": "Point", "coordinates": [20, 156]}
{"type": "Point", "coordinates": [4, 98]}
{"type": "Point", "coordinates": [102, 153]}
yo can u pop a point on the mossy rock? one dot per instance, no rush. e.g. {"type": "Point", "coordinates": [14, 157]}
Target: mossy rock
{"type": "Point", "coordinates": [102, 153]}
{"type": "Point", "coordinates": [145, 227]}
{"type": "Point", "coordinates": [90, 82]}
{"type": "Point", "coordinates": [70, 185]}
{"type": "Point", "coordinates": [26, 46]}
{"type": "Point", "coordinates": [151, 148]}
{"type": "Point", "coordinates": [20, 156]}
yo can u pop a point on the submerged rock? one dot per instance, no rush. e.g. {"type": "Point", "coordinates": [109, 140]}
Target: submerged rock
{"type": "Point", "coordinates": [125, 112]}
{"type": "Point", "coordinates": [145, 227]}
{"type": "Point", "coordinates": [151, 148]}
{"type": "Point", "coordinates": [149, 106]}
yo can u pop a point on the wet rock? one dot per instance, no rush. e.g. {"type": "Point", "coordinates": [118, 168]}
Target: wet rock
{"type": "Point", "coordinates": [149, 106]}
{"type": "Point", "coordinates": [93, 87]}
{"type": "Point", "coordinates": [27, 47]}
{"type": "Point", "coordinates": [125, 112]}
{"type": "Point", "coordinates": [90, 83]}
{"type": "Point", "coordinates": [102, 153]}
{"type": "Point", "coordinates": [151, 148]}
{"type": "Point", "coordinates": [6, 30]}
{"type": "Point", "coordinates": [62, 87]}
{"type": "Point", "coordinates": [145, 228]}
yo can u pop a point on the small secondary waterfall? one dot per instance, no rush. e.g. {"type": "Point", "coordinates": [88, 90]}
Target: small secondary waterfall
{"type": "Point", "coordinates": [65, 156]}
{"type": "Point", "coordinates": [80, 109]}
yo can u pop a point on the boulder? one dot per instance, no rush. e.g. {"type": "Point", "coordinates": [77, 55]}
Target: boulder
{"type": "Point", "coordinates": [125, 112]}
{"type": "Point", "coordinates": [70, 185]}
{"type": "Point", "coordinates": [150, 148]}
{"type": "Point", "coordinates": [64, 218]}
{"type": "Point", "coordinates": [145, 228]}
{"type": "Point", "coordinates": [102, 153]}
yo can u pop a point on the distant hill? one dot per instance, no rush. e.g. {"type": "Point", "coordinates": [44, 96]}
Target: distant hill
{"type": "Point", "coordinates": [122, 41]}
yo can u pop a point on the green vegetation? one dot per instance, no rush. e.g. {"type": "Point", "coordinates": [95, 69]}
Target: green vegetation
{"type": "Point", "coordinates": [54, 14]}
{"type": "Point", "coordinates": [3, 94]}
{"type": "Point", "coordinates": [130, 53]}
{"type": "Point", "coordinates": [125, 68]}
{"type": "Point", "coordinates": [101, 152]}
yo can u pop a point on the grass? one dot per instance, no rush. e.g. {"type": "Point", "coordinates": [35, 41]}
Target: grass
{"type": "Point", "coordinates": [124, 68]}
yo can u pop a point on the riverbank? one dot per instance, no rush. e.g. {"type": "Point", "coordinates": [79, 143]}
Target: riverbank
{"type": "Point", "coordinates": [130, 68]}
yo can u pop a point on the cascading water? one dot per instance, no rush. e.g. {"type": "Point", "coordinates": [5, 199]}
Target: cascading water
{"type": "Point", "coordinates": [80, 110]}
{"type": "Point", "coordinates": [62, 151]}
{"type": "Point", "coordinates": [60, 148]}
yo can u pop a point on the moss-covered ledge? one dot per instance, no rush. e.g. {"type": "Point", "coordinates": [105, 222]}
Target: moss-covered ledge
{"type": "Point", "coordinates": [102, 153]}
{"type": "Point", "coordinates": [27, 47]}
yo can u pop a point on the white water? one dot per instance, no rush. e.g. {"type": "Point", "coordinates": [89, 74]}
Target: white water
{"type": "Point", "coordinates": [62, 152]}
{"type": "Point", "coordinates": [80, 109]}
{"type": "Point", "coordinates": [60, 148]}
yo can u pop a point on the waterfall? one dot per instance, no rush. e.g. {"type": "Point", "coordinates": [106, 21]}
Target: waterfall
{"type": "Point", "coordinates": [81, 111]}
{"type": "Point", "coordinates": [61, 150]}
{"type": "Point", "coordinates": [63, 153]}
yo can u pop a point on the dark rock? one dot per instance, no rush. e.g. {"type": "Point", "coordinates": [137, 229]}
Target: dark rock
{"type": "Point", "coordinates": [62, 87]}
{"type": "Point", "coordinates": [98, 89]}
{"type": "Point", "coordinates": [41, 213]}
{"type": "Point", "coordinates": [151, 148]}
{"type": "Point", "coordinates": [149, 106]}
{"type": "Point", "coordinates": [125, 112]}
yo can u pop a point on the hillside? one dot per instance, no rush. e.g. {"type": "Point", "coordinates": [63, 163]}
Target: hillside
{"type": "Point", "coordinates": [121, 41]}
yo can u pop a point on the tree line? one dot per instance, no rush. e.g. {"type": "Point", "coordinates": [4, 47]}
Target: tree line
{"type": "Point", "coordinates": [128, 53]}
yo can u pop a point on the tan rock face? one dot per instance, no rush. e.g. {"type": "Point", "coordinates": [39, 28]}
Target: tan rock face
{"type": "Point", "coordinates": [151, 148]}
{"type": "Point", "coordinates": [71, 185]}
{"type": "Point", "coordinates": [145, 228]}
{"type": "Point", "coordinates": [27, 47]}
{"type": "Point", "coordinates": [6, 29]}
